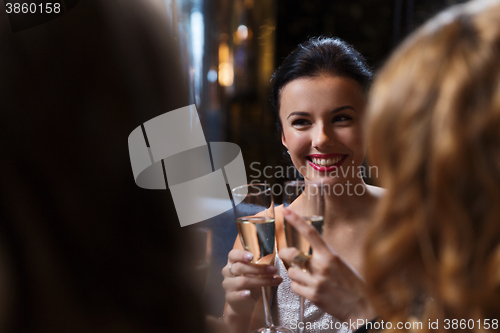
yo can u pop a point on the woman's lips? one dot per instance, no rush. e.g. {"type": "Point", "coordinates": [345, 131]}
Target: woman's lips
{"type": "Point", "coordinates": [325, 162]}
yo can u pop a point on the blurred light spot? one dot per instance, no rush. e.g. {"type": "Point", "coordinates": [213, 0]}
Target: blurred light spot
{"type": "Point", "coordinates": [226, 74]}
{"type": "Point", "coordinates": [242, 32]}
{"type": "Point", "coordinates": [212, 75]}
{"type": "Point", "coordinates": [223, 52]}
{"type": "Point", "coordinates": [197, 44]}
{"type": "Point", "coordinates": [198, 29]}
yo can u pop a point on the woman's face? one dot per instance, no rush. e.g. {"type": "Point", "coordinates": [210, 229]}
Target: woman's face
{"type": "Point", "coordinates": [321, 120]}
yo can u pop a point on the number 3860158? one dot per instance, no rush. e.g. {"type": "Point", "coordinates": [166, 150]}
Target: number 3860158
{"type": "Point", "coordinates": [32, 8]}
{"type": "Point", "coordinates": [470, 324]}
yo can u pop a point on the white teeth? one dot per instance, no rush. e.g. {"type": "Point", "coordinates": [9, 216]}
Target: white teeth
{"type": "Point", "coordinates": [326, 162]}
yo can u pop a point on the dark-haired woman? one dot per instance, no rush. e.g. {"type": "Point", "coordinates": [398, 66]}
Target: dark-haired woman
{"type": "Point", "coordinates": [319, 96]}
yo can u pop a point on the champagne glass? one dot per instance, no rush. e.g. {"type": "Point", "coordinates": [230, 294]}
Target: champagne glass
{"type": "Point", "coordinates": [254, 209]}
{"type": "Point", "coordinates": [307, 200]}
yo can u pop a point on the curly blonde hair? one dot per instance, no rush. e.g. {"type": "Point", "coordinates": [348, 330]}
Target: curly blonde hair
{"type": "Point", "coordinates": [434, 133]}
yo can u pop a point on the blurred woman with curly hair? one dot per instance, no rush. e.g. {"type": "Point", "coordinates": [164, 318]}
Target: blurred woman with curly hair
{"type": "Point", "coordinates": [434, 133]}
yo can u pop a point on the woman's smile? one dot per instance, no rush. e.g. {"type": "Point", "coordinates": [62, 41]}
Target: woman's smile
{"type": "Point", "coordinates": [326, 162]}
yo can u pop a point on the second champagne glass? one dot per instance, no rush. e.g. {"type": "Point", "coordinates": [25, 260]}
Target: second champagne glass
{"type": "Point", "coordinates": [307, 200]}
{"type": "Point", "coordinates": [254, 209]}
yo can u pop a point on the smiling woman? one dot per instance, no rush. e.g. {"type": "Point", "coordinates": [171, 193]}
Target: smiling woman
{"type": "Point", "coordinates": [325, 134]}
{"type": "Point", "coordinates": [319, 96]}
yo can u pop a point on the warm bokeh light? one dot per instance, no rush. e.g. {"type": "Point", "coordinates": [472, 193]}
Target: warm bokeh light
{"type": "Point", "coordinates": [226, 70]}
{"type": "Point", "coordinates": [223, 52]}
{"type": "Point", "coordinates": [226, 74]}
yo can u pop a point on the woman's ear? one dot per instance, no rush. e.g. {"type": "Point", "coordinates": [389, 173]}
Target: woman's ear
{"type": "Point", "coordinates": [283, 140]}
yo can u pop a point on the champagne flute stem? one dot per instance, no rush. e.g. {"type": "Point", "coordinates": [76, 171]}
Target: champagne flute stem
{"type": "Point", "coordinates": [267, 310]}
{"type": "Point", "coordinates": [302, 300]}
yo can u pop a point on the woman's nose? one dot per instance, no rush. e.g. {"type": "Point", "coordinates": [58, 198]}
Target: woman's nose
{"type": "Point", "coordinates": [322, 138]}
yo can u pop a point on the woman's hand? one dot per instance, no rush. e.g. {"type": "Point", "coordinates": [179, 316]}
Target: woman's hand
{"type": "Point", "coordinates": [330, 283]}
{"type": "Point", "coordinates": [242, 283]}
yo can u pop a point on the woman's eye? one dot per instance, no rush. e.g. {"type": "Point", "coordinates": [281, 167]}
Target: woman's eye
{"type": "Point", "coordinates": [300, 122]}
{"type": "Point", "coordinates": [341, 118]}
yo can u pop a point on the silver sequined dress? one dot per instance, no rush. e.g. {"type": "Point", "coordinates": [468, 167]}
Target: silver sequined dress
{"type": "Point", "coordinates": [286, 309]}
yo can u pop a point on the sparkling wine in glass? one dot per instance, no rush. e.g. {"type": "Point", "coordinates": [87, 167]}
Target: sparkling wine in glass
{"type": "Point", "coordinates": [254, 209]}
{"type": "Point", "coordinates": [307, 200]}
{"type": "Point", "coordinates": [257, 234]}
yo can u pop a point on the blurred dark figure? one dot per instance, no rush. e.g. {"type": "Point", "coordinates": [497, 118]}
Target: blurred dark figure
{"type": "Point", "coordinates": [82, 248]}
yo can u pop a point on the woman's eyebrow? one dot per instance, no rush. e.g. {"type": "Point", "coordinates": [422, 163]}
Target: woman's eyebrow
{"type": "Point", "coordinates": [298, 113]}
{"type": "Point", "coordinates": [341, 108]}
{"type": "Point", "coordinates": [306, 114]}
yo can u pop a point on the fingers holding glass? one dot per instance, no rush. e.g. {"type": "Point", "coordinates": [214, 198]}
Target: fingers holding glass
{"type": "Point", "coordinates": [236, 269]}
